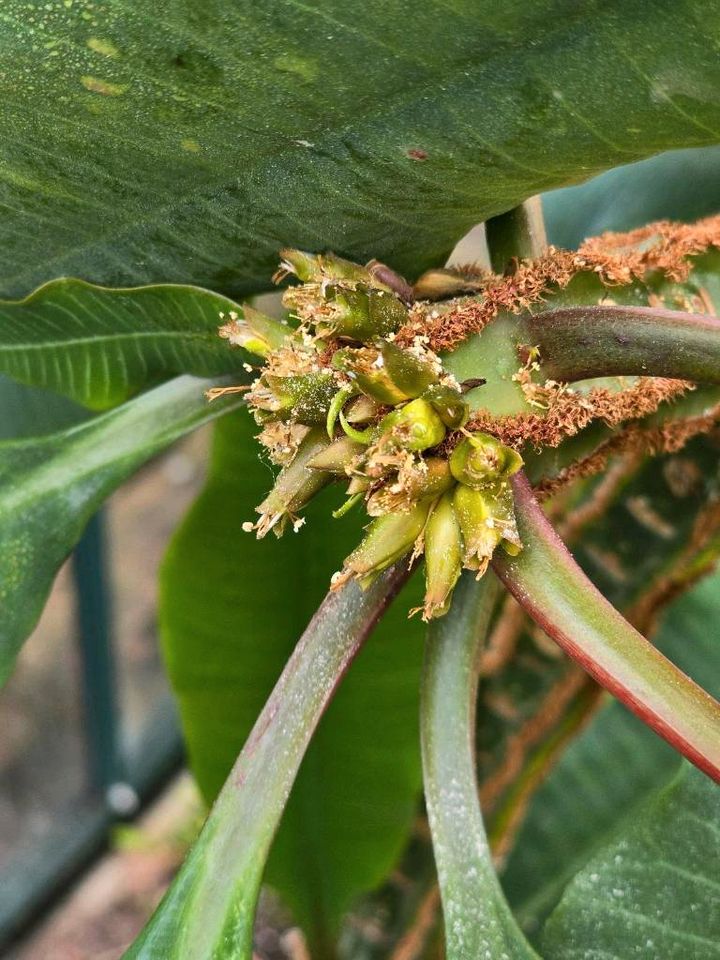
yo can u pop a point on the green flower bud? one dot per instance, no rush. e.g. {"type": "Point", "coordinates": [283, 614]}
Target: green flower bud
{"type": "Point", "coordinates": [304, 398]}
{"type": "Point", "coordinates": [365, 367]}
{"type": "Point", "coordinates": [254, 332]}
{"type": "Point", "coordinates": [415, 426]}
{"type": "Point", "coordinates": [503, 512]}
{"type": "Point", "coordinates": [336, 268]}
{"type": "Point", "coordinates": [305, 266]}
{"type": "Point", "coordinates": [386, 373]}
{"type": "Point", "coordinates": [336, 457]}
{"type": "Point", "coordinates": [443, 557]}
{"type": "Point", "coordinates": [432, 480]}
{"type": "Point", "coordinates": [388, 539]}
{"type": "Point", "coordinates": [314, 268]}
{"type": "Point", "coordinates": [480, 459]}
{"type": "Point", "coordinates": [360, 313]}
{"type": "Point", "coordinates": [295, 485]}
{"type": "Point", "coordinates": [487, 518]}
{"type": "Point", "coordinates": [480, 536]}
{"type": "Point", "coordinates": [448, 404]}
{"type": "Point", "coordinates": [410, 374]}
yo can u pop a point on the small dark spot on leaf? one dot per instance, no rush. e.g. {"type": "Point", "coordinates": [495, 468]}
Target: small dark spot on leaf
{"type": "Point", "coordinates": [416, 154]}
{"type": "Point", "coordinates": [178, 61]}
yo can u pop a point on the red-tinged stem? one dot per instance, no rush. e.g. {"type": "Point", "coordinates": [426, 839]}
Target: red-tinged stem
{"type": "Point", "coordinates": [545, 579]}
{"type": "Point", "coordinates": [578, 343]}
{"type": "Point", "coordinates": [210, 908]}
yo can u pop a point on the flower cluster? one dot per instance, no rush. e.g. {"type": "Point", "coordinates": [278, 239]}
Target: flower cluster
{"type": "Point", "coordinates": [338, 399]}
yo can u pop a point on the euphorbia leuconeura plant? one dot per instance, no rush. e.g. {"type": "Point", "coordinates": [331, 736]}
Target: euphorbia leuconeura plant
{"type": "Point", "coordinates": [440, 405]}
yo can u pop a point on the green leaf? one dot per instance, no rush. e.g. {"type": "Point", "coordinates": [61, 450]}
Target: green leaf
{"type": "Point", "coordinates": [100, 346]}
{"type": "Point", "coordinates": [478, 921]}
{"type": "Point", "coordinates": [51, 486]}
{"type": "Point", "coordinates": [178, 142]}
{"type": "Point", "coordinates": [680, 185]}
{"type": "Point", "coordinates": [209, 910]}
{"type": "Point", "coordinates": [231, 609]}
{"type": "Point", "coordinates": [653, 891]}
{"type": "Point", "coordinates": [608, 771]}
{"type": "Point", "coordinates": [32, 412]}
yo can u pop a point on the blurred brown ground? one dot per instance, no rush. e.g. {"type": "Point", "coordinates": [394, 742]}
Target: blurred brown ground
{"type": "Point", "coordinates": [42, 760]}
{"type": "Point", "coordinates": [103, 914]}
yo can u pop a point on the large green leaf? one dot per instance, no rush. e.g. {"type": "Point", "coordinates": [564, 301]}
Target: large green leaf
{"type": "Point", "coordinates": [655, 890]}
{"type": "Point", "coordinates": [232, 609]}
{"type": "Point", "coordinates": [50, 487]}
{"type": "Point", "coordinates": [185, 142]}
{"type": "Point", "coordinates": [100, 346]}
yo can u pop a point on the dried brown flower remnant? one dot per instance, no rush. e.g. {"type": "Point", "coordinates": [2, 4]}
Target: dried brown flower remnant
{"type": "Point", "coordinates": [668, 437]}
{"type": "Point", "coordinates": [617, 258]}
{"type": "Point", "coordinates": [569, 411]}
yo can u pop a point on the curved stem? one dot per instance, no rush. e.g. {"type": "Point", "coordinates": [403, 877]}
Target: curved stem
{"type": "Point", "coordinates": [545, 579]}
{"type": "Point", "coordinates": [478, 921]}
{"type": "Point", "coordinates": [578, 343]}
{"type": "Point", "coordinates": [211, 904]}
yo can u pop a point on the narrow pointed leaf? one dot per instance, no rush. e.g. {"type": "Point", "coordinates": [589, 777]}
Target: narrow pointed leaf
{"type": "Point", "coordinates": [552, 588]}
{"type": "Point", "coordinates": [51, 486]}
{"type": "Point", "coordinates": [178, 142]}
{"type": "Point", "coordinates": [478, 921]}
{"type": "Point", "coordinates": [100, 346]}
{"type": "Point", "coordinates": [209, 910]}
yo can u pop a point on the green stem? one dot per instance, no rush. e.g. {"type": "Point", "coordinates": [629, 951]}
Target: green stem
{"type": "Point", "coordinates": [518, 233]}
{"type": "Point", "coordinates": [478, 921]}
{"type": "Point", "coordinates": [209, 910]}
{"type": "Point", "coordinates": [578, 343]}
{"type": "Point", "coordinates": [545, 579]}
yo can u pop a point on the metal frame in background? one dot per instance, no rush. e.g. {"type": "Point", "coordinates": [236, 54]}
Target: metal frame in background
{"type": "Point", "coordinates": [121, 780]}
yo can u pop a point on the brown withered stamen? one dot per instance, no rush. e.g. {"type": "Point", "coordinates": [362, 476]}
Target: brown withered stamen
{"type": "Point", "coordinates": [614, 257]}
